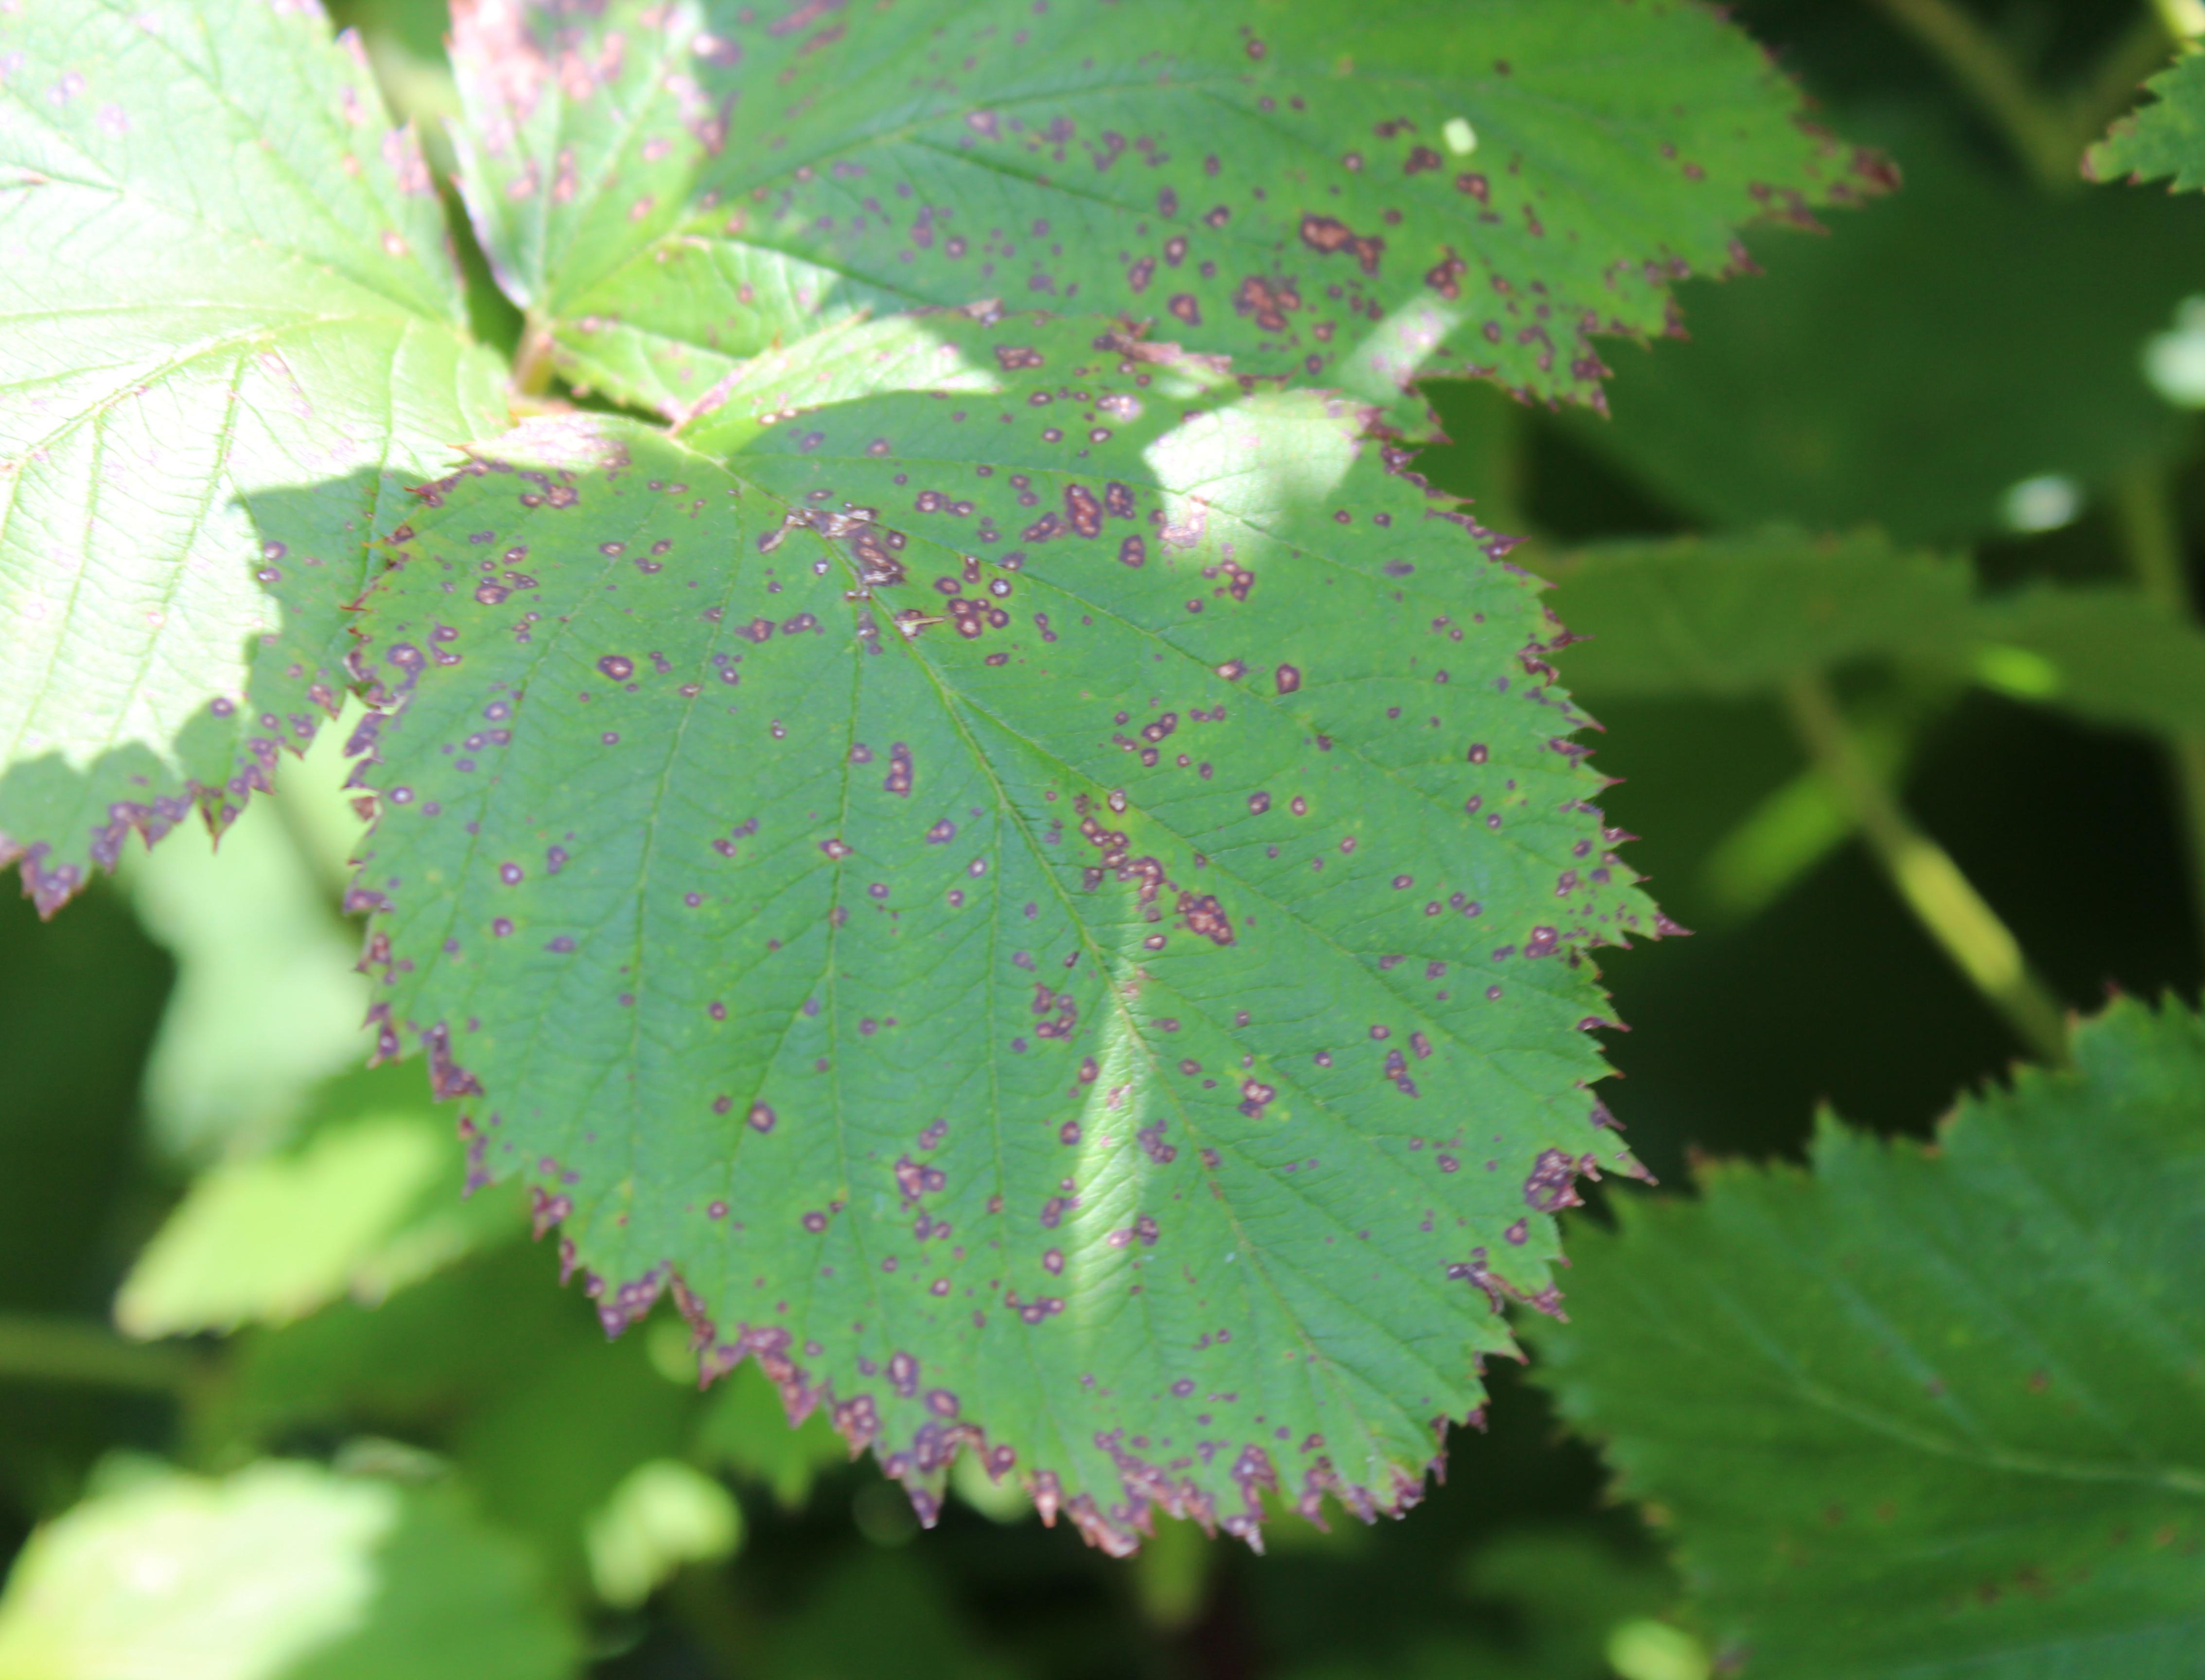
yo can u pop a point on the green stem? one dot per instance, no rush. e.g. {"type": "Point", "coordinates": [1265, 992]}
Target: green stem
{"type": "Point", "coordinates": [2151, 538]}
{"type": "Point", "coordinates": [2038, 131]}
{"type": "Point", "coordinates": [1942, 898]}
{"type": "Point", "coordinates": [78, 1351]}
{"type": "Point", "coordinates": [531, 368]}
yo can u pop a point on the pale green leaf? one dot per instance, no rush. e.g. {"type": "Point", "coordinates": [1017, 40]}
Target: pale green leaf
{"type": "Point", "coordinates": [230, 334]}
{"type": "Point", "coordinates": [283, 1571]}
{"type": "Point", "coordinates": [1341, 194]}
{"type": "Point", "coordinates": [1928, 1413]}
{"type": "Point", "coordinates": [362, 1209]}
{"type": "Point", "coordinates": [1057, 916]}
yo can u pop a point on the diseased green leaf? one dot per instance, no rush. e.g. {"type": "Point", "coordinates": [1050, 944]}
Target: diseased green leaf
{"type": "Point", "coordinates": [282, 1569]}
{"type": "Point", "coordinates": [1055, 917]}
{"type": "Point", "coordinates": [1739, 615]}
{"type": "Point", "coordinates": [1929, 1412]}
{"type": "Point", "coordinates": [745, 1429]}
{"type": "Point", "coordinates": [230, 335]}
{"type": "Point", "coordinates": [2163, 140]}
{"type": "Point", "coordinates": [1964, 336]}
{"type": "Point", "coordinates": [1347, 194]}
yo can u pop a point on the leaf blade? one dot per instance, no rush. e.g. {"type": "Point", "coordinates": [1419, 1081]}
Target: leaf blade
{"type": "Point", "coordinates": [1917, 1413]}
{"type": "Point", "coordinates": [673, 190]}
{"type": "Point", "coordinates": [1019, 872]}
{"type": "Point", "coordinates": [231, 332]}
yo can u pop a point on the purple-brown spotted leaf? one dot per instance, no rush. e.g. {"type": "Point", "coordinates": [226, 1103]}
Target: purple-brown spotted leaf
{"type": "Point", "coordinates": [1052, 909]}
{"type": "Point", "coordinates": [1342, 194]}
{"type": "Point", "coordinates": [230, 335]}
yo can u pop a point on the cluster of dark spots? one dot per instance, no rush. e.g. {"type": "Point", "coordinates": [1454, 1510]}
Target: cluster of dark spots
{"type": "Point", "coordinates": [899, 770]}
{"type": "Point", "coordinates": [1150, 1138]}
{"type": "Point", "coordinates": [1202, 915]}
{"type": "Point", "coordinates": [1552, 1184]}
{"type": "Point", "coordinates": [1328, 235]}
{"type": "Point", "coordinates": [1144, 1231]}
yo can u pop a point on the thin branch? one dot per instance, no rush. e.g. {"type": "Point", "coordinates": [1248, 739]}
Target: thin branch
{"type": "Point", "coordinates": [1943, 899]}
{"type": "Point", "coordinates": [2151, 541]}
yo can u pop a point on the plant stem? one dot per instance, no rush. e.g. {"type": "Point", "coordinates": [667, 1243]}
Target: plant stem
{"type": "Point", "coordinates": [2037, 130]}
{"type": "Point", "coordinates": [531, 368]}
{"type": "Point", "coordinates": [34, 1349]}
{"type": "Point", "coordinates": [2151, 537]}
{"type": "Point", "coordinates": [1942, 898]}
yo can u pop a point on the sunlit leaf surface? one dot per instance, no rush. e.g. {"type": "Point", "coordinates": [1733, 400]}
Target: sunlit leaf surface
{"type": "Point", "coordinates": [1054, 914]}
{"type": "Point", "coordinates": [1342, 194]}
{"type": "Point", "coordinates": [230, 335]}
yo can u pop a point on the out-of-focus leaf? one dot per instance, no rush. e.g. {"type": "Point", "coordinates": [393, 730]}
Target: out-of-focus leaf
{"type": "Point", "coordinates": [2164, 140]}
{"type": "Point", "coordinates": [427, 1355]}
{"type": "Point", "coordinates": [362, 1208]}
{"type": "Point", "coordinates": [1965, 337]}
{"type": "Point", "coordinates": [957, 1013]}
{"type": "Point", "coordinates": [1929, 1412]}
{"type": "Point", "coordinates": [663, 1515]}
{"type": "Point", "coordinates": [268, 1000]}
{"type": "Point", "coordinates": [2109, 654]}
{"type": "Point", "coordinates": [232, 335]}
{"type": "Point", "coordinates": [283, 1571]}
{"type": "Point", "coordinates": [879, 1613]}
{"type": "Point", "coordinates": [550, 1448]}
{"type": "Point", "coordinates": [1340, 193]}
{"type": "Point", "coordinates": [744, 1428]}
{"type": "Point", "coordinates": [1735, 616]}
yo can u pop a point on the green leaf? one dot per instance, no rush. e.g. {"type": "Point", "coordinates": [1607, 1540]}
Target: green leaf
{"type": "Point", "coordinates": [1055, 917]}
{"type": "Point", "coordinates": [282, 1569]}
{"type": "Point", "coordinates": [2164, 138]}
{"type": "Point", "coordinates": [361, 1209]}
{"type": "Point", "coordinates": [1965, 337]}
{"type": "Point", "coordinates": [1739, 615]}
{"type": "Point", "coordinates": [231, 333]}
{"type": "Point", "coordinates": [1929, 1412]}
{"type": "Point", "coordinates": [1348, 194]}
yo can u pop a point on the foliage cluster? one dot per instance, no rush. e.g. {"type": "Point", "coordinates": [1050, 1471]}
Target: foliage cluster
{"type": "Point", "coordinates": [934, 667]}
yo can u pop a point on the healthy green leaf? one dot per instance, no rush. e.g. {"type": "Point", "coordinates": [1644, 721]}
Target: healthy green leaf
{"type": "Point", "coordinates": [2164, 138]}
{"type": "Point", "coordinates": [1965, 337]}
{"type": "Point", "coordinates": [230, 335]}
{"type": "Point", "coordinates": [1929, 1412]}
{"type": "Point", "coordinates": [1055, 917]}
{"type": "Point", "coordinates": [283, 1568]}
{"type": "Point", "coordinates": [1733, 616]}
{"type": "Point", "coordinates": [1348, 194]}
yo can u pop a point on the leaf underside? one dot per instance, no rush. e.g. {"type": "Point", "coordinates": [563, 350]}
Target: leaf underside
{"type": "Point", "coordinates": [1348, 195]}
{"type": "Point", "coordinates": [232, 336]}
{"type": "Point", "coordinates": [1048, 902]}
{"type": "Point", "coordinates": [1929, 1413]}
